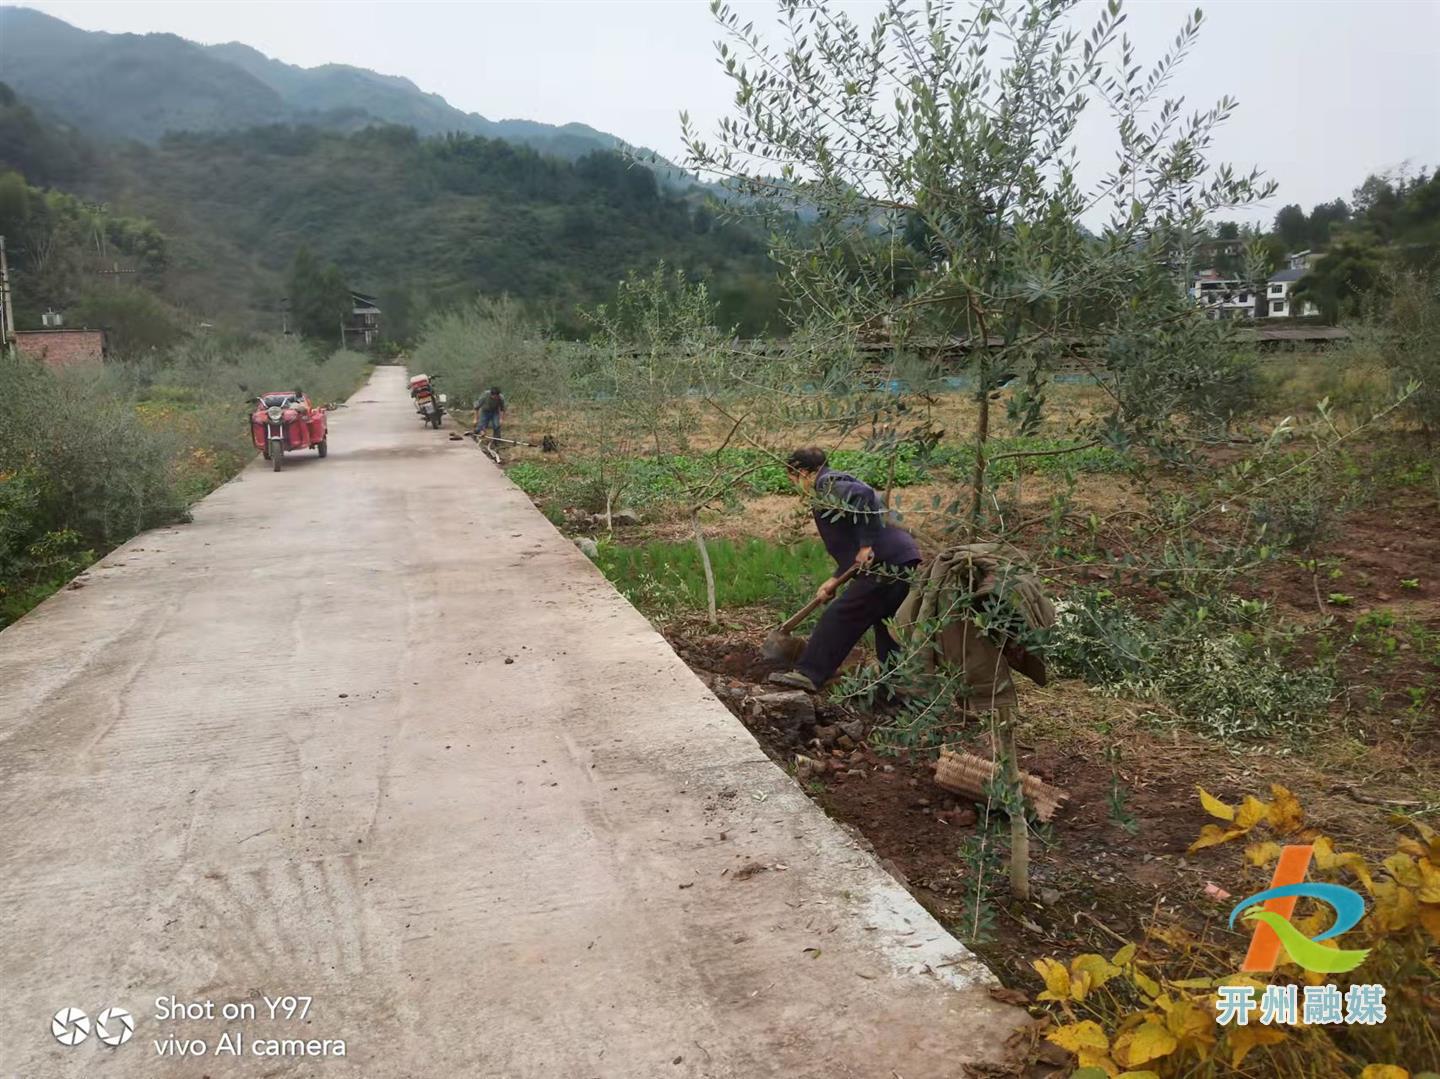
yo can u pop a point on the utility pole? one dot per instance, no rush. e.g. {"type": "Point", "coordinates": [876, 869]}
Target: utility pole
{"type": "Point", "coordinates": [7, 313]}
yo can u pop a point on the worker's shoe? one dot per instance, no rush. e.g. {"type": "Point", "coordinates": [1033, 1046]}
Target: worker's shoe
{"type": "Point", "coordinates": [793, 679]}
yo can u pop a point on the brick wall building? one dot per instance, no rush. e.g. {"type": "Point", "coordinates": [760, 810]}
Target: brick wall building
{"type": "Point", "coordinates": [62, 348]}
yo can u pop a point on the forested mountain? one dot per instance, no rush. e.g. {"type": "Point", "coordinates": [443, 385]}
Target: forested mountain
{"type": "Point", "coordinates": [211, 222]}
{"type": "Point", "coordinates": [441, 218]}
{"type": "Point", "coordinates": [143, 86]}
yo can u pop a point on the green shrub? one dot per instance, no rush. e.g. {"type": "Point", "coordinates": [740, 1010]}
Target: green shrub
{"type": "Point", "coordinates": [95, 467]}
{"type": "Point", "coordinates": [1207, 669]}
{"type": "Point", "coordinates": [33, 562]}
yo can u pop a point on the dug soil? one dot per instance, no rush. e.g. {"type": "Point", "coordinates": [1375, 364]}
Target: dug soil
{"type": "Point", "coordinates": [1113, 858]}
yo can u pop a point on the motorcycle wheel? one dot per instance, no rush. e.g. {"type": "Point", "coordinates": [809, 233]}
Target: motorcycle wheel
{"type": "Point", "coordinates": [277, 456]}
{"type": "Point", "coordinates": [435, 420]}
{"type": "Point", "coordinates": [322, 447]}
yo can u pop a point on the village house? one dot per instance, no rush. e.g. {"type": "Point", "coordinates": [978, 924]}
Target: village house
{"type": "Point", "coordinates": [1278, 299]}
{"type": "Point", "coordinates": [362, 327]}
{"type": "Point", "coordinates": [1222, 297]}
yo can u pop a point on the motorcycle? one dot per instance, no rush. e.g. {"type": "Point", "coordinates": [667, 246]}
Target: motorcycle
{"type": "Point", "coordinates": [429, 403]}
{"type": "Point", "coordinates": [287, 421]}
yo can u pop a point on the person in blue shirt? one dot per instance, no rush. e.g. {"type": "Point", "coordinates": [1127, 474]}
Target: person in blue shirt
{"type": "Point", "coordinates": [489, 411]}
{"type": "Point", "coordinates": [851, 518]}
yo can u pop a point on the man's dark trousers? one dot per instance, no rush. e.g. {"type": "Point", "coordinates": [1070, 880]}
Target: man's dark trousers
{"type": "Point", "coordinates": [866, 602]}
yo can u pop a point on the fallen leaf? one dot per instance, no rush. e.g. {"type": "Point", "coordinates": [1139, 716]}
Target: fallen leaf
{"type": "Point", "coordinates": [1243, 1039]}
{"type": "Point", "coordinates": [1262, 854]}
{"type": "Point", "coordinates": [1284, 814]}
{"type": "Point", "coordinates": [1214, 806]}
{"type": "Point", "coordinates": [1086, 1034]}
{"type": "Point", "coordinates": [1251, 812]}
{"type": "Point", "coordinates": [1151, 1040]}
{"type": "Point", "coordinates": [1213, 834]}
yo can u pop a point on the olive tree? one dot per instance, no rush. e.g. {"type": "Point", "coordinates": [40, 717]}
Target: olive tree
{"type": "Point", "coordinates": [932, 157]}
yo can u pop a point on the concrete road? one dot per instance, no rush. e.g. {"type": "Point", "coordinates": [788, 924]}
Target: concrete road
{"type": "Point", "coordinates": [370, 753]}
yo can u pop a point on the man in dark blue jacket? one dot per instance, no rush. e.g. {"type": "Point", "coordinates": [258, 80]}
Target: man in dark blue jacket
{"type": "Point", "coordinates": [851, 519]}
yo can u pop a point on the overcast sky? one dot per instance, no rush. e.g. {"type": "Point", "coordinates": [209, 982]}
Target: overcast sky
{"type": "Point", "coordinates": [1329, 91]}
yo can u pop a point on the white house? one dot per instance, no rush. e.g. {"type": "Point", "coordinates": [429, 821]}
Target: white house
{"type": "Point", "coordinates": [1222, 297]}
{"type": "Point", "coordinates": [1280, 304]}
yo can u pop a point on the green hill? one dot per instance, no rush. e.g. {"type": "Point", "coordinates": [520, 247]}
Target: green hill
{"type": "Point", "coordinates": [144, 86]}
{"type": "Point", "coordinates": [210, 222]}
{"type": "Point", "coordinates": [441, 218]}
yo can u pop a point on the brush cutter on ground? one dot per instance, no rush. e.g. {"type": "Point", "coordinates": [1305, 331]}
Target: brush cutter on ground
{"type": "Point", "coordinates": [494, 438]}
{"type": "Point", "coordinates": [781, 644]}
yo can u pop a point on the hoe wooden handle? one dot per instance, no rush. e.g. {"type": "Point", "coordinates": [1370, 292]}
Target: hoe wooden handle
{"type": "Point", "coordinates": [809, 608]}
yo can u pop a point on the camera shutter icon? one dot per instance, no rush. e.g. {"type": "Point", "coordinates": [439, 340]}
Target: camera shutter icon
{"type": "Point", "coordinates": [114, 1026]}
{"type": "Point", "coordinates": [70, 1026]}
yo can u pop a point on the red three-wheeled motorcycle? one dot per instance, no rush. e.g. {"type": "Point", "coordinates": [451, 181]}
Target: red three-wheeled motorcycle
{"type": "Point", "coordinates": [286, 420]}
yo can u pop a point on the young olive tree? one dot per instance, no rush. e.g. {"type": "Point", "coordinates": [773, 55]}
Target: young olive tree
{"type": "Point", "coordinates": [936, 152]}
{"type": "Point", "coordinates": [657, 354]}
{"type": "Point", "coordinates": [932, 158]}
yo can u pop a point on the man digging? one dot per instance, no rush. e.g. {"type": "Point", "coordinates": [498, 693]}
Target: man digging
{"type": "Point", "coordinates": [851, 519]}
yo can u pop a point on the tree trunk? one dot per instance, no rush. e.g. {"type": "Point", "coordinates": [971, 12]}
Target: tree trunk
{"type": "Point", "coordinates": [1019, 830]}
{"type": "Point", "coordinates": [709, 571]}
{"type": "Point", "coordinates": [982, 436]}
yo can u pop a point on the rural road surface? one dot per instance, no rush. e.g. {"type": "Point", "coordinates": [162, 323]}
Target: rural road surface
{"type": "Point", "coordinates": [371, 744]}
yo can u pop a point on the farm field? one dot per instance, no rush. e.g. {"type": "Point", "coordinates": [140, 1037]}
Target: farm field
{"type": "Point", "coordinates": [1312, 681]}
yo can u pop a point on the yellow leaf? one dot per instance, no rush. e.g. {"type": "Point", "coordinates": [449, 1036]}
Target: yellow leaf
{"type": "Point", "coordinates": [1429, 915]}
{"type": "Point", "coordinates": [1143, 982]}
{"type": "Point", "coordinates": [1251, 812]}
{"type": "Point", "coordinates": [1395, 906]}
{"type": "Point", "coordinates": [1212, 834]}
{"type": "Point", "coordinates": [1242, 1039]}
{"type": "Point", "coordinates": [1086, 1034]}
{"type": "Point", "coordinates": [1056, 978]}
{"type": "Point", "coordinates": [1214, 806]}
{"type": "Point", "coordinates": [1259, 854]}
{"type": "Point", "coordinates": [1149, 1041]}
{"type": "Point", "coordinates": [1284, 814]}
{"type": "Point", "coordinates": [1096, 1058]}
{"type": "Point", "coordinates": [1099, 969]}
{"type": "Point", "coordinates": [1192, 983]}
{"type": "Point", "coordinates": [1191, 1025]}
{"type": "Point", "coordinates": [1431, 839]}
{"type": "Point", "coordinates": [1138, 1075]}
{"type": "Point", "coordinates": [1327, 859]}
{"type": "Point", "coordinates": [1079, 986]}
{"type": "Point", "coordinates": [1383, 1071]}
{"type": "Point", "coordinates": [1403, 869]}
{"type": "Point", "coordinates": [1123, 957]}
{"type": "Point", "coordinates": [1429, 890]}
